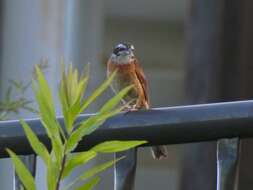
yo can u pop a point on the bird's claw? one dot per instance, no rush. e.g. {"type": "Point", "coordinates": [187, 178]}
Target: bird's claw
{"type": "Point", "coordinates": [130, 109]}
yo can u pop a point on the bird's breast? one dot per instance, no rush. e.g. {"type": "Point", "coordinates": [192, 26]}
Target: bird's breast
{"type": "Point", "coordinates": [125, 77]}
{"type": "Point", "coordinates": [124, 68]}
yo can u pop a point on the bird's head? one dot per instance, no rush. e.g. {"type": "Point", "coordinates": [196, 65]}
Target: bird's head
{"type": "Point", "coordinates": [122, 53]}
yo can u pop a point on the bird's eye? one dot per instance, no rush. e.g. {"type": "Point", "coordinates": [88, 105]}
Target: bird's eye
{"type": "Point", "coordinates": [118, 49]}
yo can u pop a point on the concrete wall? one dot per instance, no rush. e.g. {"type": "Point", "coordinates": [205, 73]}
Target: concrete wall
{"type": "Point", "coordinates": [32, 30]}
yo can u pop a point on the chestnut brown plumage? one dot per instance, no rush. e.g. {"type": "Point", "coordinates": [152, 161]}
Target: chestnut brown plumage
{"type": "Point", "coordinates": [129, 72]}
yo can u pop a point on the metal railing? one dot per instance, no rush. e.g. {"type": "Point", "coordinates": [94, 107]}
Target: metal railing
{"type": "Point", "coordinates": [225, 123]}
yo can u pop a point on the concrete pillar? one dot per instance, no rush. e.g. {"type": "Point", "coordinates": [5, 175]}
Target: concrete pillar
{"type": "Point", "coordinates": [32, 30]}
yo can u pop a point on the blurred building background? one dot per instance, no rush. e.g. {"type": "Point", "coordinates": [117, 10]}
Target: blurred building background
{"type": "Point", "coordinates": [156, 28]}
{"type": "Point", "coordinates": [84, 31]}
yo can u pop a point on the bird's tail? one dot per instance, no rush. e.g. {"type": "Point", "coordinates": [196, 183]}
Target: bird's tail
{"type": "Point", "coordinates": [159, 152]}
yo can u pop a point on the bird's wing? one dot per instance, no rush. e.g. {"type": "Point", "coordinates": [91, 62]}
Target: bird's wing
{"type": "Point", "coordinates": [141, 77]}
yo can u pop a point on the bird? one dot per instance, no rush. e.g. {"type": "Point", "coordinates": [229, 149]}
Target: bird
{"type": "Point", "coordinates": [129, 72]}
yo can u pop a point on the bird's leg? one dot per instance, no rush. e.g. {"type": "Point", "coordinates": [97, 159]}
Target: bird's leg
{"type": "Point", "coordinates": [137, 106]}
{"type": "Point", "coordinates": [134, 108]}
{"type": "Point", "coordinates": [139, 103]}
{"type": "Point", "coordinates": [129, 109]}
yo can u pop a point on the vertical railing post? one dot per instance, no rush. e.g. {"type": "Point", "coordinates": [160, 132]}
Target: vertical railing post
{"type": "Point", "coordinates": [213, 45]}
{"type": "Point", "coordinates": [124, 170]}
{"type": "Point", "coordinates": [227, 163]}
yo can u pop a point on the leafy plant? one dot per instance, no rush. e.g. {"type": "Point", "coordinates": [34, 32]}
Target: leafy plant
{"type": "Point", "coordinates": [59, 161]}
{"type": "Point", "coordinates": [14, 104]}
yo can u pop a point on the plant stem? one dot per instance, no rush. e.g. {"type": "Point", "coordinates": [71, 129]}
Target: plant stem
{"type": "Point", "coordinates": [61, 172]}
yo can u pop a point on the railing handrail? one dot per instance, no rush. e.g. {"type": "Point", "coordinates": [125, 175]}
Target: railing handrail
{"type": "Point", "coordinates": [171, 125]}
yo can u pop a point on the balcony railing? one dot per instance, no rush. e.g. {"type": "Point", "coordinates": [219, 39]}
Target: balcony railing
{"type": "Point", "coordinates": [225, 123]}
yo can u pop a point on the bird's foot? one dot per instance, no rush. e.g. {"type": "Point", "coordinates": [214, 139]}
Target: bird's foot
{"type": "Point", "coordinates": [130, 109]}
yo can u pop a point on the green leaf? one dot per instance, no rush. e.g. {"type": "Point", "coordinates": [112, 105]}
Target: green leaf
{"type": "Point", "coordinates": [94, 122]}
{"type": "Point", "coordinates": [71, 92]}
{"type": "Point", "coordinates": [89, 185]}
{"type": "Point", "coordinates": [77, 160]}
{"type": "Point", "coordinates": [93, 171]}
{"type": "Point", "coordinates": [64, 103]}
{"type": "Point", "coordinates": [97, 92]}
{"type": "Point", "coordinates": [23, 173]}
{"type": "Point", "coordinates": [52, 174]}
{"type": "Point", "coordinates": [116, 146]}
{"type": "Point", "coordinates": [37, 146]}
{"type": "Point", "coordinates": [57, 152]}
{"type": "Point", "coordinates": [47, 114]}
{"type": "Point", "coordinates": [115, 100]}
{"type": "Point", "coordinates": [46, 107]}
{"type": "Point", "coordinates": [87, 127]}
{"type": "Point", "coordinates": [99, 168]}
{"type": "Point", "coordinates": [44, 89]}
